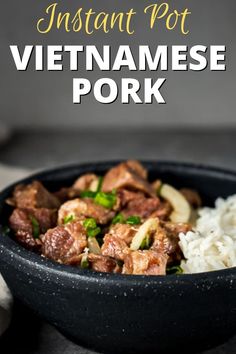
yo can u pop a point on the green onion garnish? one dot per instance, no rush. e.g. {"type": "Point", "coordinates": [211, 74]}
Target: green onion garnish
{"type": "Point", "coordinates": [100, 180]}
{"type": "Point", "coordinates": [88, 194]}
{"type": "Point", "coordinates": [91, 227]}
{"type": "Point", "coordinates": [133, 220]}
{"type": "Point", "coordinates": [68, 218]}
{"type": "Point", "coordinates": [90, 223]}
{"type": "Point", "coordinates": [35, 226]}
{"type": "Point", "coordinates": [118, 219]}
{"type": "Point", "coordinates": [145, 245]}
{"type": "Point", "coordinates": [93, 232]}
{"type": "Point", "coordinates": [107, 200]}
{"type": "Point", "coordinates": [174, 270]}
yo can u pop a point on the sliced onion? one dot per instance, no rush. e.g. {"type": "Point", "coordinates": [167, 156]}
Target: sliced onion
{"type": "Point", "coordinates": [182, 209]}
{"type": "Point", "coordinates": [94, 246]}
{"type": "Point", "coordinates": [149, 226]}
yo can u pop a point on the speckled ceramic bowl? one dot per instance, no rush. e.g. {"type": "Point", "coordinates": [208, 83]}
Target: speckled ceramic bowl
{"type": "Point", "coordinates": [127, 314]}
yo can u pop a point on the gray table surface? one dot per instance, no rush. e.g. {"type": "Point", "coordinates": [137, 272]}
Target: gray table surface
{"type": "Point", "coordinates": [40, 149]}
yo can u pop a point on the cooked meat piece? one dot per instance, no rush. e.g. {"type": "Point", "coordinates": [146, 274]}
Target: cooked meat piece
{"type": "Point", "coordinates": [19, 220]}
{"type": "Point", "coordinates": [163, 212]}
{"type": "Point", "coordinates": [75, 260]}
{"type": "Point", "coordinates": [118, 268]}
{"type": "Point", "coordinates": [65, 194]}
{"type": "Point", "coordinates": [192, 197]}
{"type": "Point", "coordinates": [114, 247]}
{"type": "Point", "coordinates": [21, 223]}
{"type": "Point", "coordinates": [46, 218]}
{"type": "Point", "coordinates": [135, 203]}
{"type": "Point", "coordinates": [145, 262]}
{"type": "Point", "coordinates": [34, 195]}
{"type": "Point", "coordinates": [141, 207]}
{"type": "Point", "coordinates": [176, 228]}
{"type": "Point", "coordinates": [162, 243]}
{"type": "Point", "coordinates": [22, 226]}
{"type": "Point", "coordinates": [124, 196]}
{"type": "Point", "coordinates": [86, 182]}
{"type": "Point", "coordinates": [138, 168]}
{"type": "Point", "coordinates": [65, 243]}
{"type": "Point", "coordinates": [28, 241]}
{"type": "Point", "coordinates": [85, 208]}
{"type": "Point", "coordinates": [166, 239]}
{"type": "Point", "coordinates": [123, 176]}
{"type": "Point", "coordinates": [124, 231]}
{"type": "Point", "coordinates": [101, 263]}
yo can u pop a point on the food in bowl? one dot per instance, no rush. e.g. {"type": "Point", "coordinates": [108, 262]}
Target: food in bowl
{"type": "Point", "coordinates": [121, 223]}
{"type": "Point", "coordinates": [211, 245]}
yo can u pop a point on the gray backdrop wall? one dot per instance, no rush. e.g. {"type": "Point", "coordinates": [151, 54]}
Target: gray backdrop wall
{"type": "Point", "coordinates": [45, 98]}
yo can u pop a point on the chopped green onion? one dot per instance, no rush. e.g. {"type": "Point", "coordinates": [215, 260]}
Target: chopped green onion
{"type": "Point", "coordinates": [107, 200]}
{"type": "Point", "coordinates": [118, 219]}
{"type": "Point", "coordinates": [90, 223]}
{"type": "Point", "coordinates": [145, 245]}
{"type": "Point", "coordinates": [68, 218]}
{"type": "Point", "coordinates": [84, 261]}
{"type": "Point", "coordinates": [87, 194]}
{"type": "Point", "coordinates": [174, 270]}
{"type": "Point", "coordinates": [91, 227]}
{"type": "Point", "coordinates": [93, 232]}
{"type": "Point", "coordinates": [133, 220]}
{"type": "Point", "coordinates": [91, 194]}
{"type": "Point", "coordinates": [100, 180]}
{"type": "Point", "coordinates": [35, 226]}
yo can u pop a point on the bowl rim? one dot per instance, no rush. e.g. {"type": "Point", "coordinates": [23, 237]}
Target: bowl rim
{"type": "Point", "coordinates": [17, 252]}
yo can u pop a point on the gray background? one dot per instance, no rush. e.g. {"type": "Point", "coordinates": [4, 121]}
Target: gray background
{"type": "Point", "coordinates": [195, 99]}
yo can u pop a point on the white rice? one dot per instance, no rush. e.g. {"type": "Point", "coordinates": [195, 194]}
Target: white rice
{"type": "Point", "coordinates": [212, 243]}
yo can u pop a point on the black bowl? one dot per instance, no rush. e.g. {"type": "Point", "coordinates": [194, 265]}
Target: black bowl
{"type": "Point", "coordinates": [127, 314]}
